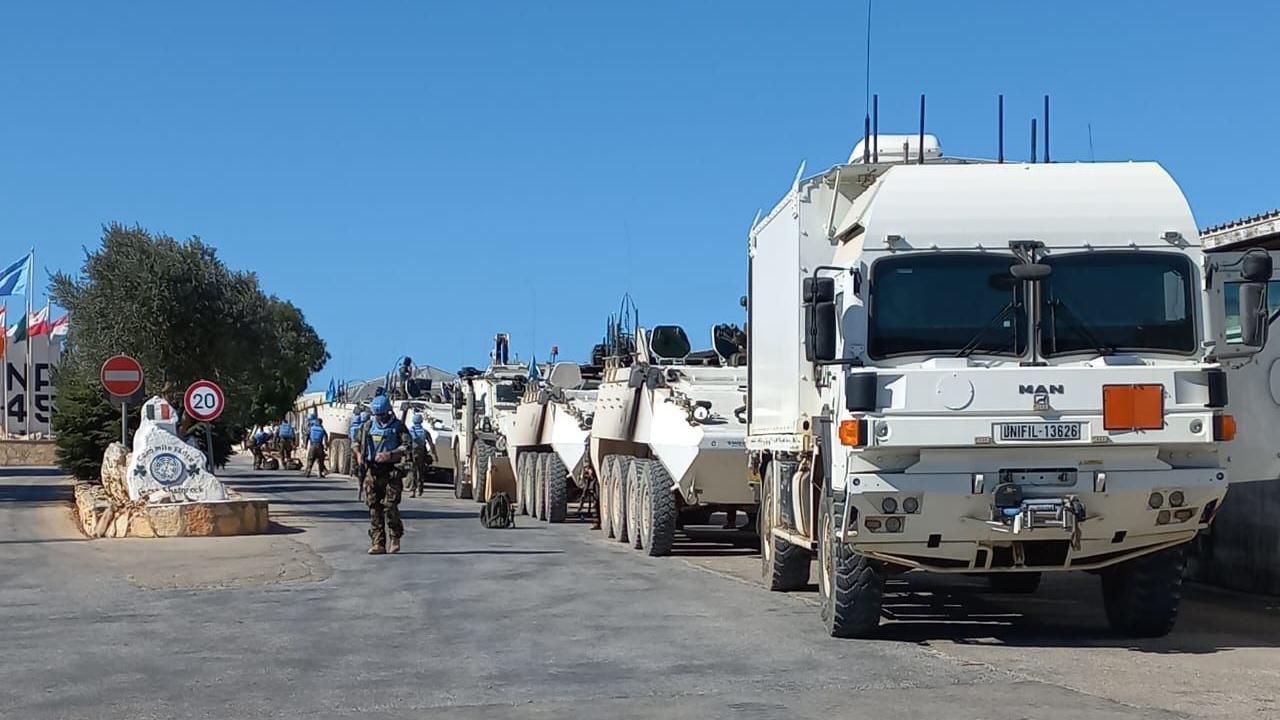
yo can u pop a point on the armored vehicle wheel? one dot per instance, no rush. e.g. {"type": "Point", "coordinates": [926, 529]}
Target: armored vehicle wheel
{"type": "Point", "coordinates": [784, 566]}
{"type": "Point", "coordinates": [555, 488]}
{"type": "Point", "coordinates": [1141, 596]}
{"type": "Point", "coordinates": [618, 499]}
{"type": "Point", "coordinates": [540, 486]}
{"type": "Point", "coordinates": [522, 487]}
{"type": "Point", "coordinates": [340, 451]}
{"type": "Point", "coordinates": [850, 585]}
{"type": "Point", "coordinates": [634, 508]}
{"type": "Point", "coordinates": [657, 507]}
{"type": "Point", "coordinates": [1021, 582]}
{"type": "Point", "coordinates": [605, 491]}
{"type": "Point", "coordinates": [461, 490]}
{"type": "Point", "coordinates": [479, 469]}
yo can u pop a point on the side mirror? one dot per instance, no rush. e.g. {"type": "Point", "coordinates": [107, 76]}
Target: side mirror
{"type": "Point", "coordinates": [818, 299]}
{"type": "Point", "coordinates": [565, 375]}
{"type": "Point", "coordinates": [1254, 315]}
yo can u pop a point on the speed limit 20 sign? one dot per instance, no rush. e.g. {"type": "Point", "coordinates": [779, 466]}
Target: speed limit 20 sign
{"type": "Point", "coordinates": [204, 400]}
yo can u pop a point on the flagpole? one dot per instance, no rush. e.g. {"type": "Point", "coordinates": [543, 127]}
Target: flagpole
{"type": "Point", "coordinates": [31, 276]}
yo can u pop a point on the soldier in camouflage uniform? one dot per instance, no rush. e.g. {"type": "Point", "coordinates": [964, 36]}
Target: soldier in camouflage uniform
{"type": "Point", "coordinates": [384, 443]}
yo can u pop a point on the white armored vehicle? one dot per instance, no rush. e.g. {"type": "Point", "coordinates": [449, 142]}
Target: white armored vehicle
{"type": "Point", "coordinates": [1004, 369]}
{"type": "Point", "coordinates": [481, 400]}
{"type": "Point", "coordinates": [667, 435]}
{"type": "Point", "coordinates": [547, 438]}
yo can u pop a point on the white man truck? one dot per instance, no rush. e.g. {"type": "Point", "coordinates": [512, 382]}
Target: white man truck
{"type": "Point", "coordinates": [999, 369]}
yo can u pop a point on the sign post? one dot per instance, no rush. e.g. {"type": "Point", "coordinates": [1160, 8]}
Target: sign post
{"type": "Point", "coordinates": [121, 377]}
{"type": "Point", "coordinates": [204, 401]}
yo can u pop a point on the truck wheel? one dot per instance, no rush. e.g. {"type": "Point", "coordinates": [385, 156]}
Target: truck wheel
{"type": "Point", "coordinates": [556, 488]}
{"type": "Point", "coordinates": [540, 486]}
{"type": "Point", "coordinates": [521, 493]}
{"type": "Point", "coordinates": [479, 469]}
{"type": "Point", "coordinates": [605, 490]}
{"type": "Point", "coordinates": [1142, 595]}
{"type": "Point", "coordinates": [461, 489]}
{"type": "Point", "coordinates": [657, 508]}
{"type": "Point", "coordinates": [634, 507]}
{"type": "Point", "coordinates": [850, 585]}
{"type": "Point", "coordinates": [784, 566]}
{"type": "Point", "coordinates": [1023, 583]}
{"type": "Point", "coordinates": [618, 499]}
{"type": "Point", "coordinates": [339, 450]}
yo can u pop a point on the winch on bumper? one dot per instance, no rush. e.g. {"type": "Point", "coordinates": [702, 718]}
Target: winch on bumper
{"type": "Point", "coordinates": [1037, 519]}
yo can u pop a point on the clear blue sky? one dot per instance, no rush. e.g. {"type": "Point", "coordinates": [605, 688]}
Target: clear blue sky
{"type": "Point", "coordinates": [484, 166]}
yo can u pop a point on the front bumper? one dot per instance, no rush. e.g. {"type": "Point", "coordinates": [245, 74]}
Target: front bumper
{"type": "Point", "coordinates": [956, 526]}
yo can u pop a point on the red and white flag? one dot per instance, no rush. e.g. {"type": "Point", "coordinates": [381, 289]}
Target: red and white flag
{"type": "Point", "coordinates": [59, 327]}
{"type": "Point", "coordinates": [38, 324]}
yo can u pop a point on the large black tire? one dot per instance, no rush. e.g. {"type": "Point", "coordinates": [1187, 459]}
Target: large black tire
{"type": "Point", "coordinates": [522, 487]}
{"type": "Point", "coordinates": [480, 469]}
{"type": "Point", "coordinates": [634, 508]}
{"type": "Point", "coordinates": [657, 507]}
{"type": "Point", "coordinates": [784, 566]}
{"type": "Point", "coordinates": [1021, 583]}
{"type": "Point", "coordinates": [556, 489]}
{"type": "Point", "coordinates": [850, 585]}
{"type": "Point", "coordinates": [618, 499]}
{"type": "Point", "coordinates": [1141, 596]}
{"type": "Point", "coordinates": [340, 454]}
{"type": "Point", "coordinates": [540, 486]}
{"type": "Point", "coordinates": [605, 491]}
{"type": "Point", "coordinates": [461, 490]}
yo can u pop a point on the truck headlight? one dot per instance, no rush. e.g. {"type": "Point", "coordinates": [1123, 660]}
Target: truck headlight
{"type": "Point", "coordinates": [889, 506]}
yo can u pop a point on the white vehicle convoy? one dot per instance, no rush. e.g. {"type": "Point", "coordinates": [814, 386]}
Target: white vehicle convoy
{"type": "Point", "coordinates": [480, 402]}
{"type": "Point", "coordinates": [1005, 369]}
{"type": "Point", "coordinates": [667, 435]}
{"type": "Point", "coordinates": [547, 437]}
{"type": "Point", "coordinates": [437, 418]}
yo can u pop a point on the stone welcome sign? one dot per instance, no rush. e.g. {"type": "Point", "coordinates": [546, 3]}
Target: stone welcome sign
{"type": "Point", "coordinates": [162, 466]}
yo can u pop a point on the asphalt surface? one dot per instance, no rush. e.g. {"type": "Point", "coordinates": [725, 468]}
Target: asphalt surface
{"type": "Point", "coordinates": [549, 621]}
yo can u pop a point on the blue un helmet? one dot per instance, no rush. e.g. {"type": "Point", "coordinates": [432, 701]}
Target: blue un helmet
{"type": "Point", "coordinates": [380, 405]}
{"type": "Point", "coordinates": [364, 416]}
{"type": "Point", "coordinates": [417, 418]}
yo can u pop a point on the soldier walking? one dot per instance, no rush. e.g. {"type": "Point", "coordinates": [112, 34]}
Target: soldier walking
{"type": "Point", "coordinates": [385, 443]}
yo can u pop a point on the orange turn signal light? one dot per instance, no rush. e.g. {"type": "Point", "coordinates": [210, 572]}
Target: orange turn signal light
{"type": "Point", "coordinates": [1132, 407]}
{"type": "Point", "coordinates": [1224, 427]}
{"type": "Point", "coordinates": [853, 433]}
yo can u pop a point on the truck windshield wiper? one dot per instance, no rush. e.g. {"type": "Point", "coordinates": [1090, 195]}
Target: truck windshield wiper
{"type": "Point", "coordinates": [1076, 324]}
{"type": "Point", "coordinates": [973, 345]}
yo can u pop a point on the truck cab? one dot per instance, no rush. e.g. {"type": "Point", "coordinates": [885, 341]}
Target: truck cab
{"type": "Point", "coordinates": [1005, 369]}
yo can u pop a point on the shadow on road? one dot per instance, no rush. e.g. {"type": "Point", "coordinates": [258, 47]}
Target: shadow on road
{"type": "Point", "coordinates": [1064, 613]}
{"type": "Point", "coordinates": [484, 552]}
{"type": "Point", "coordinates": [44, 493]}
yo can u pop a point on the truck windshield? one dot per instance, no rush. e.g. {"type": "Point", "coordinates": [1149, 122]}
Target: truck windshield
{"type": "Point", "coordinates": [945, 303]}
{"type": "Point", "coordinates": [1112, 301]}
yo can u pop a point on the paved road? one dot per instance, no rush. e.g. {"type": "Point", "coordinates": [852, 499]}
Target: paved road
{"type": "Point", "coordinates": [542, 622]}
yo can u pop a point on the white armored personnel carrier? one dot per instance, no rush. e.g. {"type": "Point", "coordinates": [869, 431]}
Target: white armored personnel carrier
{"type": "Point", "coordinates": [667, 435]}
{"type": "Point", "coordinates": [1004, 369]}
{"type": "Point", "coordinates": [481, 399]}
{"type": "Point", "coordinates": [547, 438]}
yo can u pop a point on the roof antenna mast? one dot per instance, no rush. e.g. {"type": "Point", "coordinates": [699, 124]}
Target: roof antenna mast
{"type": "Point", "coordinates": [866, 119]}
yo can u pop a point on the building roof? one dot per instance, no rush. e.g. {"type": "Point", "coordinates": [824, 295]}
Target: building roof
{"type": "Point", "coordinates": [1262, 230]}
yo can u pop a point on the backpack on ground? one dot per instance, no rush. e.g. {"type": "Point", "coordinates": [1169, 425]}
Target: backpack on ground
{"type": "Point", "coordinates": [496, 514]}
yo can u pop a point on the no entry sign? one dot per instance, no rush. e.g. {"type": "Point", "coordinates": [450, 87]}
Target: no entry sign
{"type": "Point", "coordinates": [121, 376]}
{"type": "Point", "coordinates": [204, 400]}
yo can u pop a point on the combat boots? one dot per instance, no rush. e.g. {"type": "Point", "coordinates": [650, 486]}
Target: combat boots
{"type": "Point", "coordinates": [379, 550]}
{"type": "Point", "coordinates": [394, 547]}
